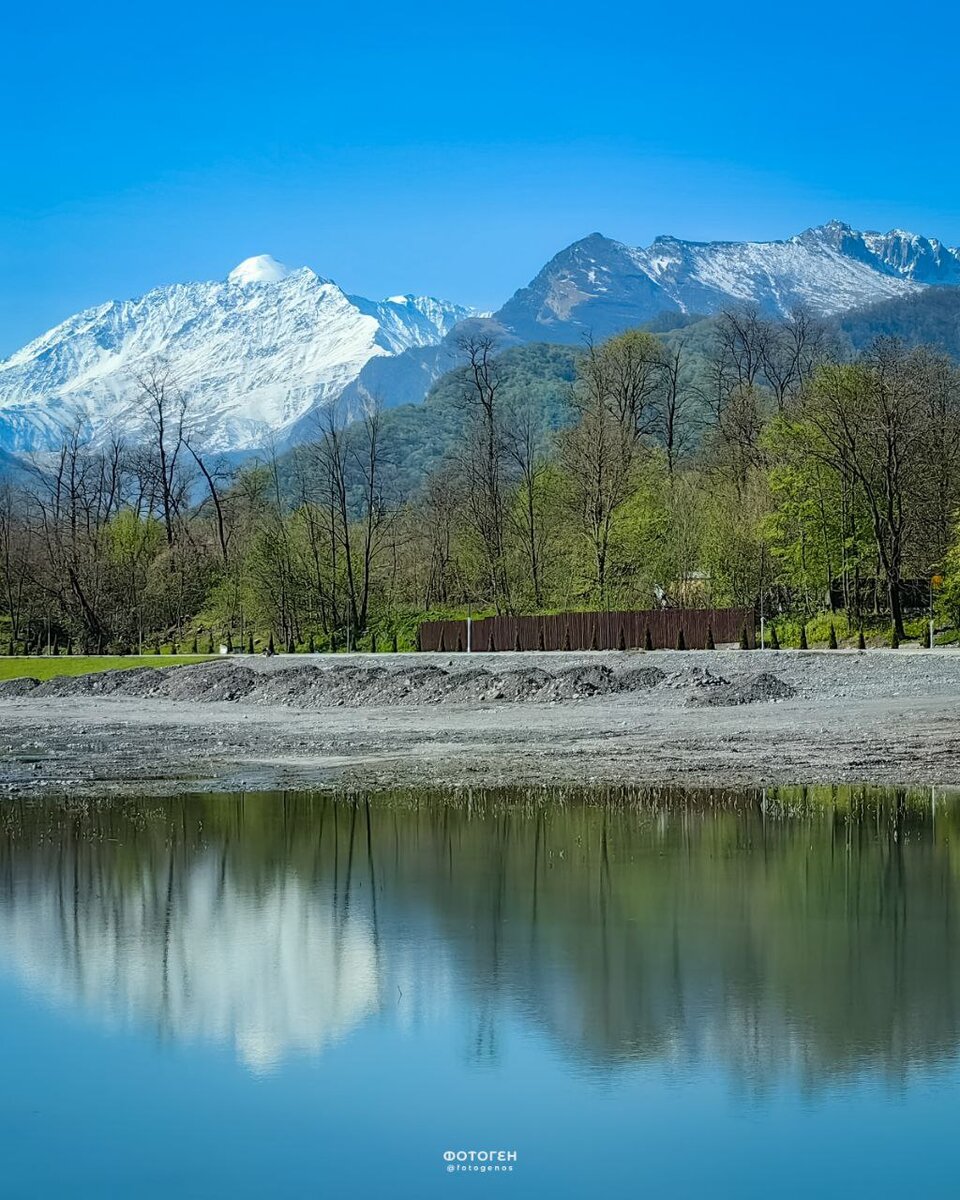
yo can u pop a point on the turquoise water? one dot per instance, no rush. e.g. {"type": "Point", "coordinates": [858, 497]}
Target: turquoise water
{"type": "Point", "coordinates": [661, 995]}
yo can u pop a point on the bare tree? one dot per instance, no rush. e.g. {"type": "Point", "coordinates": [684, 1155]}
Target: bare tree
{"type": "Point", "coordinates": [675, 404]}
{"type": "Point", "coordinates": [368, 451]}
{"type": "Point", "coordinates": [599, 455]}
{"type": "Point", "coordinates": [790, 351]}
{"type": "Point", "coordinates": [165, 408]}
{"type": "Point", "coordinates": [15, 559]}
{"type": "Point", "coordinates": [213, 477]}
{"type": "Point", "coordinates": [741, 344]}
{"type": "Point", "coordinates": [350, 462]}
{"type": "Point", "coordinates": [74, 495]}
{"type": "Point", "coordinates": [441, 503]}
{"type": "Point", "coordinates": [525, 449]}
{"type": "Point", "coordinates": [483, 461]}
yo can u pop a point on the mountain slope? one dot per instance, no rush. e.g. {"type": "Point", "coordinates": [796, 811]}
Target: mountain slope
{"type": "Point", "coordinates": [252, 354]}
{"type": "Point", "coordinates": [599, 286]}
{"type": "Point", "coordinates": [418, 437]}
{"type": "Point", "coordinates": [930, 318]}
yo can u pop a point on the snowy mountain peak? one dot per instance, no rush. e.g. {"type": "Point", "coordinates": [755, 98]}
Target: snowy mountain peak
{"type": "Point", "coordinates": [252, 354]}
{"type": "Point", "coordinates": [262, 268]}
{"type": "Point", "coordinates": [600, 286]}
{"type": "Point", "coordinates": [832, 228]}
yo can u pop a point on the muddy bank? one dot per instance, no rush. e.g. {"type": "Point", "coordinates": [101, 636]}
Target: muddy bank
{"type": "Point", "coordinates": [721, 717]}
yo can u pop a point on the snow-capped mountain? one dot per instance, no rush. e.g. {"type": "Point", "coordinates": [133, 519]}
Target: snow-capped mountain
{"type": "Point", "coordinates": [601, 286]}
{"type": "Point", "coordinates": [253, 354]}
{"type": "Point", "coordinates": [256, 354]}
{"type": "Point", "coordinates": [924, 260]}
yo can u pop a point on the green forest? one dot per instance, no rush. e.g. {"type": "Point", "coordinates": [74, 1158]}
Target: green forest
{"type": "Point", "coordinates": [810, 472]}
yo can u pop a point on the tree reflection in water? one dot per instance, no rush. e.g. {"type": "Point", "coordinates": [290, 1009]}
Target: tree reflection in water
{"type": "Point", "coordinates": [803, 932]}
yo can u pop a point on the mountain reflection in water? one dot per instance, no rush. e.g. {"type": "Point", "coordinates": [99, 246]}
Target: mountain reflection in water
{"type": "Point", "coordinates": [802, 933]}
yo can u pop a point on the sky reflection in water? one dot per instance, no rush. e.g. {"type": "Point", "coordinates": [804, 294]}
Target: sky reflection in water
{"type": "Point", "coordinates": [286, 994]}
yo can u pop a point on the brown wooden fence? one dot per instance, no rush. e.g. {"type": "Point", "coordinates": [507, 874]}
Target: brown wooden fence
{"type": "Point", "coordinates": [593, 631]}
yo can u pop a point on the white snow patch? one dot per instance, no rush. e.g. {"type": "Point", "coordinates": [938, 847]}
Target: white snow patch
{"type": "Point", "coordinates": [261, 268]}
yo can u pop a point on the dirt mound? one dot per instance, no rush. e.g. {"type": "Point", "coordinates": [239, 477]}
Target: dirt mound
{"type": "Point", "coordinates": [66, 685]}
{"type": "Point", "coordinates": [472, 684]}
{"type": "Point", "coordinates": [137, 681]}
{"type": "Point", "coordinates": [571, 683]}
{"type": "Point", "coordinates": [766, 686]}
{"type": "Point", "coordinates": [522, 683]}
{"type": "Point", "coordinates": [312, 686]}
{"type": "Point", "coordinates": [639, 679]}
{"type": "Point", "coordinates": [757, 689]}
{"type": "Point", "coordinates": [211, 682]}
{"type": "Point", "coordinates": [414, 685]}
{"type": "Point", "coordinates": [10, 689]}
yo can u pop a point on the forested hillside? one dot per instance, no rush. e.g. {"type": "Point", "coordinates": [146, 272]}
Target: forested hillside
{"type": "Point", "coordinates": [418, 437]}
{"type": "Point", "coordinates": [931, 318]}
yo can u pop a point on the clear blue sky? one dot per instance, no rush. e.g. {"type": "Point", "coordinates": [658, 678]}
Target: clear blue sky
{"type": "Point", "coordinates": [450, 148]}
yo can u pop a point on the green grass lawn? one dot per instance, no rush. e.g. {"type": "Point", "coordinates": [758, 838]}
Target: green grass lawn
{"type": "Point", "coordinates": [81, 664]}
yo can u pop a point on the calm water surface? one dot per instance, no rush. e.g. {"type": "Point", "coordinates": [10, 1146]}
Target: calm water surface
{"type": "Point", "coordinates": [654, 995]}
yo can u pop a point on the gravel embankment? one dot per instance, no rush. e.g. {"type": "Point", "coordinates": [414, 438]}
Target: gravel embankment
{"type": "Point", "coordinates": [408, 680]}
{"type": "Point", "coordinates": [715, 717]}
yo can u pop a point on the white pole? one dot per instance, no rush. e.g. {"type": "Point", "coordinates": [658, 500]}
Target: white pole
{"type": "Point", "coordinates": [763, 645]}
{"type": "Point", "coordinates": [930, 639]}
{"type": "Point", "coordinates": [469, 632]}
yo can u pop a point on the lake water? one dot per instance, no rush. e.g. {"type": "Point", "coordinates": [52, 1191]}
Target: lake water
{"type": "Point", "coordinates": [660, 995]}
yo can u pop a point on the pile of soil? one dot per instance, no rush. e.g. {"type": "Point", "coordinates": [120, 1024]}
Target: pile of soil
{"type": "Point", "coordinates": [756, 690]}
{"type": "Point", "coordinates": [12, 689]}
{"type": "Point", "coordinates": [311, 687]}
